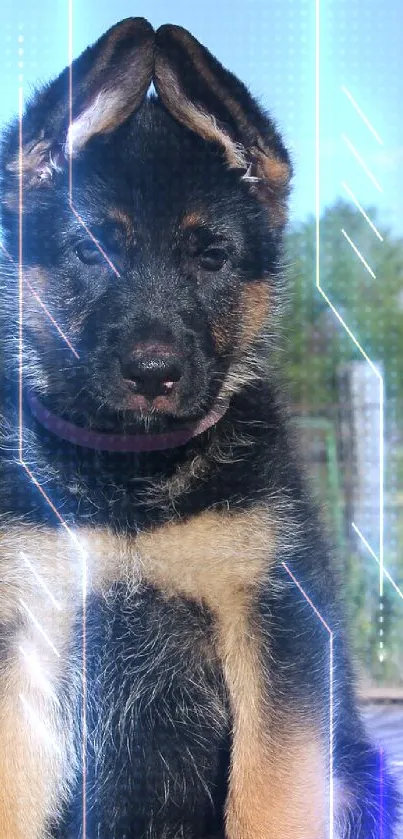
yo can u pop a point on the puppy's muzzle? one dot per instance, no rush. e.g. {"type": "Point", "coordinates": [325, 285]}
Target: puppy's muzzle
{"type": "Point", "coordinates": [152, 369]}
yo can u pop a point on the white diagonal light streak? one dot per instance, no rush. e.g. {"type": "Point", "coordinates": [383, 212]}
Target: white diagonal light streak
{"type": "Point", "coordinates": [362, 162]}
{"type": "Point", "coordinates": [372, 552]}
{"type": "Point", "coordinates": [38, 724]}
{"type": "Point", "coordinates": [37, 674]}
{"type": "Point", "coordinates": [39, 627]}
{"type": "Point", "coordinates": [361, 209]}
{"type": "Point", "coordinates": [361, 113]}
{"type": "Point", "coordinates": [40, 581]}
{"type": "Point", "coordinates": [359, 254]}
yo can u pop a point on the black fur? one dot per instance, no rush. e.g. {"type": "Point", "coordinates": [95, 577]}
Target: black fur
{"type": "Point", "coordinates": [159, 718]}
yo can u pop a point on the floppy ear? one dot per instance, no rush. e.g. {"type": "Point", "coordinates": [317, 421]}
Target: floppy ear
{"type": "Point", "coordinates": [211, 101]}
{"type": "Point", "coordinates": [109, 81]}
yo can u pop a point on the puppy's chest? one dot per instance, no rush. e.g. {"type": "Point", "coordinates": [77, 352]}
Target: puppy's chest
{"type": "Point", "coordinates": [203, 558]}
{"type": "Point", "coordinates": [141, 646]}
{"type": "Point", "coordinates": [198, 575]}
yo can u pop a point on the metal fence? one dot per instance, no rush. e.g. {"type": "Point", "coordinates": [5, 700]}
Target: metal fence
{"type": "Point", "coordinates": [341, 447]}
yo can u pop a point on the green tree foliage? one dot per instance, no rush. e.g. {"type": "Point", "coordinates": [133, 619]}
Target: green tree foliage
{"type": "Point", "coordinates": [314, 346]}
{"type": "Point", "coordinates": [315, 343]}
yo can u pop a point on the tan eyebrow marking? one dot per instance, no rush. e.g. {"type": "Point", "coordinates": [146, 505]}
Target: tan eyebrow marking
{"type": "Point", "coordinates": [193, 218]}
{"type": "Point", "coordinates": [124, 220]}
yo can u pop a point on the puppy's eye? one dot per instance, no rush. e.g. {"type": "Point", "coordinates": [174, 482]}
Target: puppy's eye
{"type": "Point", "coordinates": [212, 259]}
{"type": "Point", "coordinates": [88, 252]}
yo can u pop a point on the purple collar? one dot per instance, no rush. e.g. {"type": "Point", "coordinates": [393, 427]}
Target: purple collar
{"type": "Point", "coordinates": [103, 441]}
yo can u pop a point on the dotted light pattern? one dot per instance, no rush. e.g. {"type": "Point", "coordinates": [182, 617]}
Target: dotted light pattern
{"type": "Point", "coordinates": [361, 162]}
{"type": "Point", "coordinates": [335, 310]}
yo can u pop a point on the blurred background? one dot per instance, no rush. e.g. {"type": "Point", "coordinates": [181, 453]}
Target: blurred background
{"type": "Point", "coordinates": [331, 73]}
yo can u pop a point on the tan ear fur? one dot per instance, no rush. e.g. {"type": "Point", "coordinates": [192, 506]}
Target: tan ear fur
{"type": "Point", "coordinates": [207, 99]}
{"type": "Point", "coordinates": [109, 82]}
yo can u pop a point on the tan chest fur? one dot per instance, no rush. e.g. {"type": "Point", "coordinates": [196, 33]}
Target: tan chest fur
{"type": "Point", "coordinates": [209, 557]}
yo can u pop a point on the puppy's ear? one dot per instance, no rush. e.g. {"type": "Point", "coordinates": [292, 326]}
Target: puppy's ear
{"type": "Point", "coordinates": [108, 82]}
{"type": "Point", "coordinates": [211, 101]}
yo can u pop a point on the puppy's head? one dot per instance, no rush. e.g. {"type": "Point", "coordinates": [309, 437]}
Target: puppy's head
{"type": "Point", "coordinates": [148, 231]}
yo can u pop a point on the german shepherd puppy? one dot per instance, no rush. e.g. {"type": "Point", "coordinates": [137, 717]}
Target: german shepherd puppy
{"type": "Point", "coordinates": [173, 654]}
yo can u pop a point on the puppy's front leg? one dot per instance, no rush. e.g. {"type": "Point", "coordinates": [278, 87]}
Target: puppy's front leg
{"type": "Point", "coordinates": [35, 739]}
{"type": "Point", "coordinates": [277, 785]}
{"type": "Point", "coordinates": [36, 746]}
{"type": "Point", "coordinates": [36, 713]}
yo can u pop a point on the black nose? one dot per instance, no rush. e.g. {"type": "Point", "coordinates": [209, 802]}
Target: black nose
{"type": "Point", "coordinates": [153, 369]}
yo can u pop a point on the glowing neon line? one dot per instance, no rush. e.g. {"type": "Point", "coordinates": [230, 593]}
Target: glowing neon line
{"type": "Point", "coordinates": [331, 736]}
{"type": "Point", "coordinates": [372, 552]}
{"type": "Point", "coordinates": [381, 429]}
{"type": "Point", "coordinates": [363, 539]}
{"type": "Point", "coordinates": [52, 320]}
{"type": "Point", "coordinates": [27, 469]}
{"type": "Point", "coordinates": [91, 235]}
{"type": "Point", "coordinates": [20, 354]}
{"type": "Point", "coordinates": [362, 211]}
{"type": "Point", "coordinates": [73, 537]}
{"type": "Point", "coordinates": [70, 151]}
{"type": "Point", "coordinates": [359, 254]}
{"type": "Point", "coordinates": [381, 485]}
{"type": "Point", "coordinates": [362, 162]}
{"type": "Point", "coordinates": [331, 695]}
{"type": "Point", "coordinates": [381, 793]}
{"type": "Point", "coordinates": [35, 721]}
{"type": "Point", "coordinates": [40, 581]}
{"type": "Point", "coordinates": [84, 700]}
{"type": "Point", "coordinates": [317, 140]}
{"type": "Point", "coordinates": [362, 115]}
{"type": "Point", "coordinates": [70, 56]}
{"type": "Point", "coordinates": [303, 592]}
{"type": "Point", "coordinates": [39, 627]}
{"type": "Point", "coordinates": [317, 272]}
{"type": "Point", "coordinates": [348, 330]}
{"type": "Point", "coordinates": [84, 572]}
{"type": "Point", "coordinates": [20, 276]}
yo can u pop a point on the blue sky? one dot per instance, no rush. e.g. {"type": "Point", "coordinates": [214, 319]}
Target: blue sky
{"type": "Point", "coordinates": [270, 44]}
